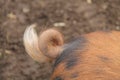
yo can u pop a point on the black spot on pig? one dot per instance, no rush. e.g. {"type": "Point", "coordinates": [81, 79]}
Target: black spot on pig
{"type": "Point", "coordinates": [103, 58]}
{"type": "Point", "coordinates": [74, 75]}
{"type": "Point", "coordinates": [71, 62]}
{"type": "Point", "coordinates": [58, 78]}
{"type": "Point", "coordinates": [68, 55]}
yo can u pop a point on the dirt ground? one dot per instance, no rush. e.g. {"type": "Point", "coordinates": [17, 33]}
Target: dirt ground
{"type": "Point", "coordinates": [72, 17]}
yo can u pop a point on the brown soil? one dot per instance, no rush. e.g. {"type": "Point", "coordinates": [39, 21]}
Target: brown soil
{"type": "Point", "coordinates": [79, 16]}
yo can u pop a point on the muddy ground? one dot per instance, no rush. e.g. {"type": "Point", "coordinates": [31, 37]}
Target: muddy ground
{"type": "Point", "coordinates": [77, 17]}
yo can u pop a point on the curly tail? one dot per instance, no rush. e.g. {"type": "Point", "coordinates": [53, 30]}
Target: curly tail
{"type": "Point", "coordinates": [45, 47]}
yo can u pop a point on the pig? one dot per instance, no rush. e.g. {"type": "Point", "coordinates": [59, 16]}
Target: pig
{"type": "Point", "coordinates": [92, 56]}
